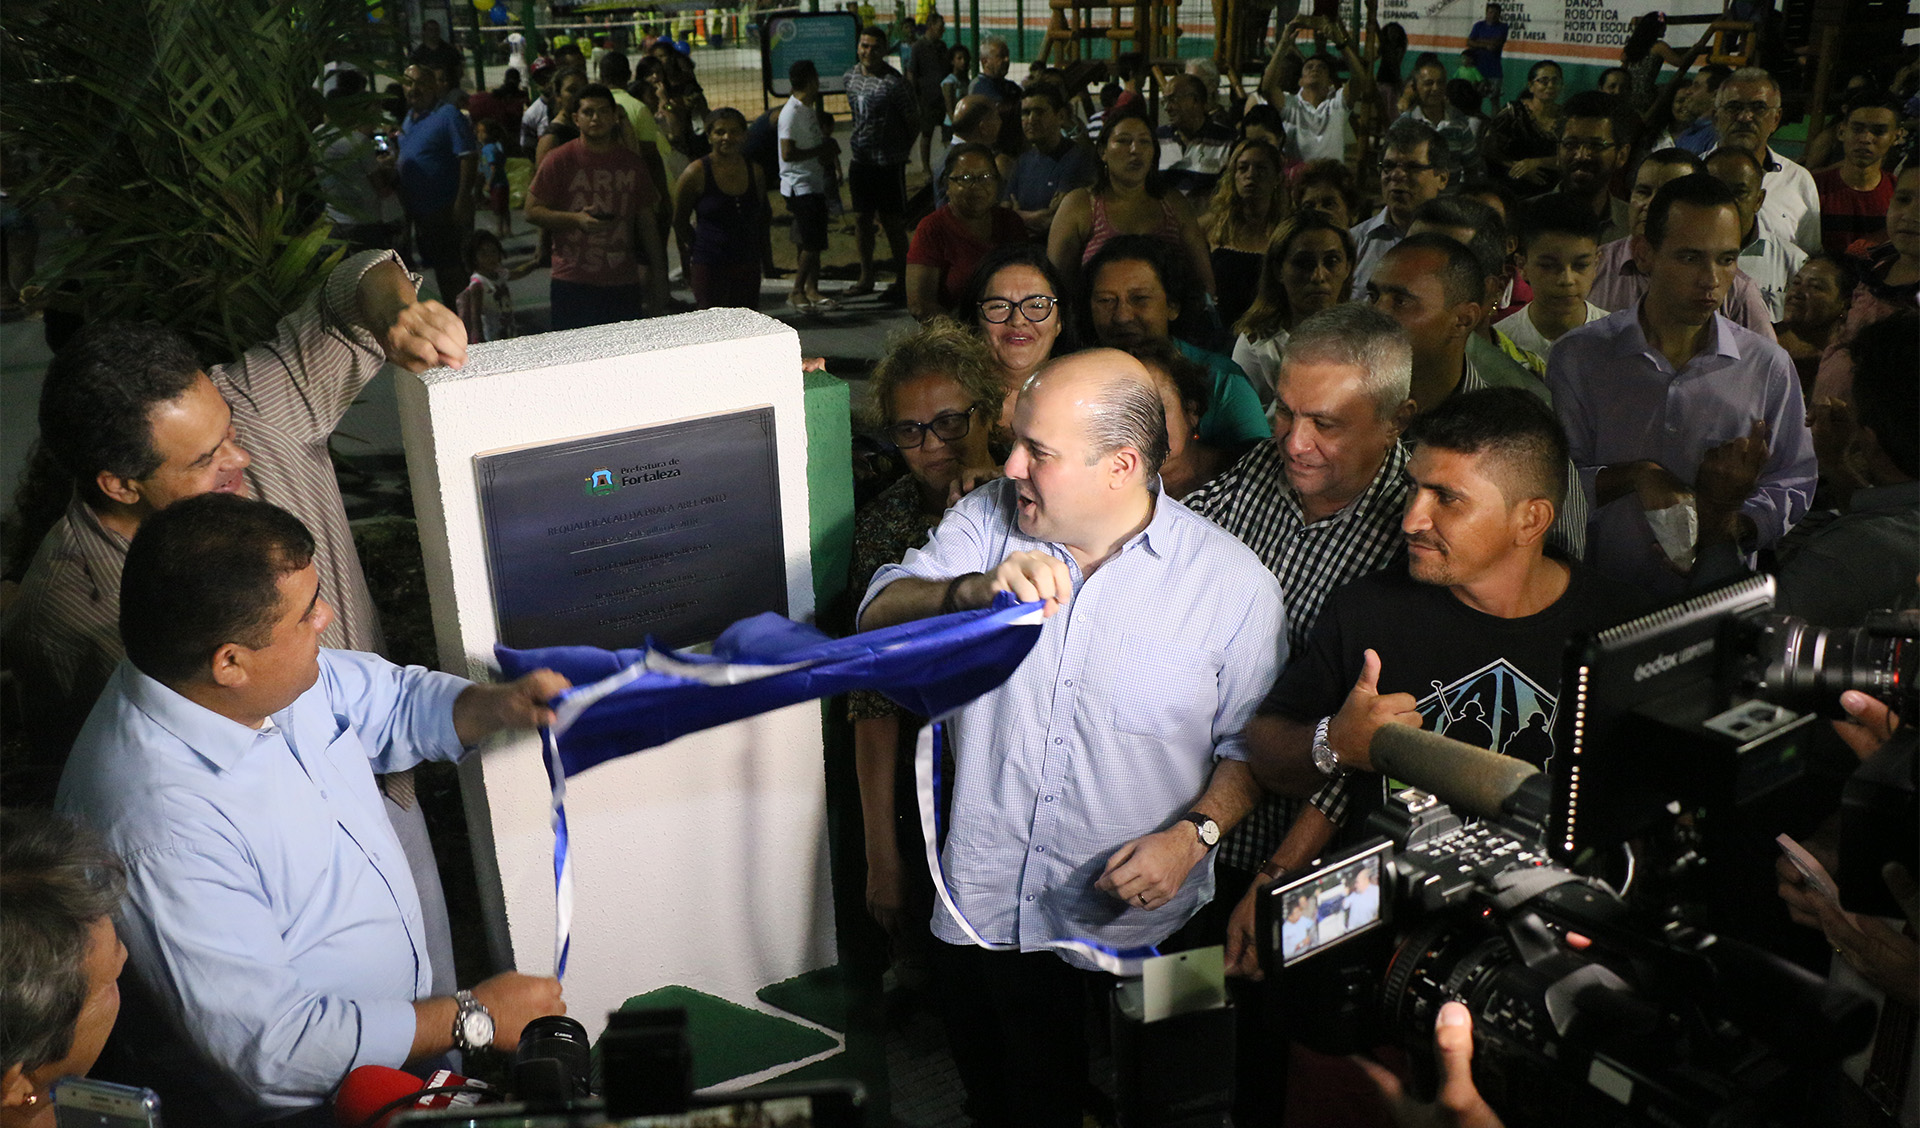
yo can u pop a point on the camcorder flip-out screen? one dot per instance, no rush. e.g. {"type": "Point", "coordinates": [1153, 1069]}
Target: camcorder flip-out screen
{"type": "Point", "coordinates": [1339, 900]}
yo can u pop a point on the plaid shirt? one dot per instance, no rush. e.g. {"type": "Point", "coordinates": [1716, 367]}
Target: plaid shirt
{"type": "Point", "coordinates": [1252, 501]}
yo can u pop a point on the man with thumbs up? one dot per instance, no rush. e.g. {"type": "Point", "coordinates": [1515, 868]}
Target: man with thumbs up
{"type": "Point", "coordinates": [1469, 634]}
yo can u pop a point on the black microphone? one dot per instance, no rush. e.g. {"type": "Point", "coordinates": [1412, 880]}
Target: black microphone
{"type": "Point", "coordinates": [1471, 780]}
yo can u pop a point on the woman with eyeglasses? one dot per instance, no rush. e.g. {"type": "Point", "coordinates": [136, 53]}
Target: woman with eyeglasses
{"type": "Point", "coordinates": [934, 399]}
{"type": "Point", "coordinates": [951, 241]}
{"type": "Point", "coordinates": [1014, 301]}
{"type": "Point", "coordinates": [1521, 144]}
{"type": "Point", "coordinates": [1128, 197]}
{"type": "Point", "coordinates": [1250, 201]}
{"type": "Point", "coordinates": [1308, 267]}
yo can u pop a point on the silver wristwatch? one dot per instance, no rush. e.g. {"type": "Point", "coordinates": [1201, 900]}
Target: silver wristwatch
{"type": "Point", "coordinates": [473, 1025]}
{"type": "Point", "coordinates": [1324, 757]}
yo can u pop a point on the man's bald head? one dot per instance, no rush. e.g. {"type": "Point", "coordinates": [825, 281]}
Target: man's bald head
{"type": "Point", "coordinates": [971, 113]}
{"type": "Point", "coordinates": [1115, 398]}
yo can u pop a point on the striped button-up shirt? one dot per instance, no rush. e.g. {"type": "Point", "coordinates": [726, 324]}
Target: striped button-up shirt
{"type": "Point", "coordinates": [1111, 727]}
{"type": "Point", "coordinates": [62, 632]}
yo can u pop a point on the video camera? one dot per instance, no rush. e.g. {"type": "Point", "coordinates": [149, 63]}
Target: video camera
{"type": "Point", "coordinates": [1708, 709]}
{"type": "Point", "coordinates": [1589, 1011]}
{"type": "Point", "coordinates": [1581, 1017]}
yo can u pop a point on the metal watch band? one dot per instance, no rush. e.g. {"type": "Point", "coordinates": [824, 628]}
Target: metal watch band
{"type": "Point", "coordinates": [1324, 757]}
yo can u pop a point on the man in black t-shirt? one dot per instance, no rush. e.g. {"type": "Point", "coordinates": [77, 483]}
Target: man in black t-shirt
{"type": "Point", "coordinates": [435, 52]}
{"type": "Point", "coordinates": [1466, 641]}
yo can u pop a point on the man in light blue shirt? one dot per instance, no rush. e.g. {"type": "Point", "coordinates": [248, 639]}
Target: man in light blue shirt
{"type": "Point", "coordinates": [271, 919]}
{"type": "Point", "coordinates": [1674, 413]}
{"type": "Point", "coordinates": [1090, 788]}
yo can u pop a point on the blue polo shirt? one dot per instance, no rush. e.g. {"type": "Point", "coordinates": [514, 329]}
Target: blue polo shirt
{"type": "Point", "coordinates": [431, 146]}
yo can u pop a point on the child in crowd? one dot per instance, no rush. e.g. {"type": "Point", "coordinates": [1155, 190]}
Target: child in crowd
{"type": "Point", "coordinates": [493, 160]}
{"type": "Point", "coordinates": [1559, 256]}
{"type": "Point", "coordinates": [954, 86]}
{"type": "Point", "coordinates": [486, 305]}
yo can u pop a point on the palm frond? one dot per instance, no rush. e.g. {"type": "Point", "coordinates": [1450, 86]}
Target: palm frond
{"type": "Point", "coordinates": [177, 137]}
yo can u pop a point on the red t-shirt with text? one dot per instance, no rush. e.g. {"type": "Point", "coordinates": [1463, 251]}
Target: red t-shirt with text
{"type": "Point", "coordinates": [614, 183]}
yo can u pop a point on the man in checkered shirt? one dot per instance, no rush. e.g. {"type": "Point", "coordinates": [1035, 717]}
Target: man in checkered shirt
{"type": "Point", "coordinates": [1467, 640]}
{"type": "Point", "coordinates": [1319, 505]}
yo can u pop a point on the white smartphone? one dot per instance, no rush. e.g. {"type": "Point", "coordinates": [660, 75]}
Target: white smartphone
{"type": "Point", "coordinates": [82, 1103]}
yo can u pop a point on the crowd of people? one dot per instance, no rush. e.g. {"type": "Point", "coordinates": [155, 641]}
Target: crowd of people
{"type": "Point", "coordinates": [1331, 406]}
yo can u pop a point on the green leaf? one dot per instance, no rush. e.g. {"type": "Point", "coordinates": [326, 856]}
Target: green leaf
{"type": "Point", "coordinates": [177, 137]}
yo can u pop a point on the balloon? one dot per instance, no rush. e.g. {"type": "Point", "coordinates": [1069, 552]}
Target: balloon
{"type": "Point", "coordinates": [498, 14]}
{"type": "Point", "coordinates": [482, 5]}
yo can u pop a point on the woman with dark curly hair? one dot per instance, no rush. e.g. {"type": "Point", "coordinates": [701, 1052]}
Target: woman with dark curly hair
{"type": "Point", "coordinates": [1016, 302]}
{"type": "Point", "coordinates": [935, 399]}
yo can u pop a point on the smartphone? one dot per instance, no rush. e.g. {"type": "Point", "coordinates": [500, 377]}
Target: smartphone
{"type": "Point", "coordinates": [81, 1103]}
{"type": "Point", "coordinates": [381, 145]}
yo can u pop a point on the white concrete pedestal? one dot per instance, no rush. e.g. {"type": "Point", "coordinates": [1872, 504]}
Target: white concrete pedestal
{"type": "Point", "coordinates": [704, 862]}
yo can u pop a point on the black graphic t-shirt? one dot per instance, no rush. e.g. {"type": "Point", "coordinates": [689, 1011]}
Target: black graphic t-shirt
{"type": "Point", "coordinates": [1483, 680]}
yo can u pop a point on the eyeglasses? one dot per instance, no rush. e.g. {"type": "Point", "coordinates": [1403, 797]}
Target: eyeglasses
{"type": "Point", "coordinates": [1034, 307]}
{"type": "Point", "coordinates": [1585, 145]}
{"type": "Point", "coordinates": [973, 179]}
{"type": "Point", "coordinates": [1738, 110]}
{"type": "Point", "coordinates": [1388, 168]}
{"type": "Point", "coordinates": [948, 426]}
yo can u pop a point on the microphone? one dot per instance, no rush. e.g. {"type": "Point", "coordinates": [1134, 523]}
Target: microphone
{"type": "Point", "coordinates": [1471, 780]}
{"type": "Point", "coordinates": [372, 1094]}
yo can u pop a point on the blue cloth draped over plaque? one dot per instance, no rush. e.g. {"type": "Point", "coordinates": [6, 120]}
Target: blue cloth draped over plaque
{"type": "Point", "coordinates": [627, 701]}
{"type": "Point", "coordinates": [930, 666]}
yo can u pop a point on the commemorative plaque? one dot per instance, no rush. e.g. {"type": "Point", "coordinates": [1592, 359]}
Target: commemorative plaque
{"type": "Point", "coordinates": [671, 531]}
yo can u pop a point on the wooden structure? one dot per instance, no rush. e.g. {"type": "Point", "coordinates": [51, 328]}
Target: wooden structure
{"type": "Point", "coordinates": [1143, 26]}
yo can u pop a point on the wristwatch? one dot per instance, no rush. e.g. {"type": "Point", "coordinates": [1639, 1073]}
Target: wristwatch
{"type": "Point", "coordinates": [473, 1026]}
{"type": "Point", "coordinates": [1324, 757]}
{"type": "Point", "coordinates": [1208, 829]}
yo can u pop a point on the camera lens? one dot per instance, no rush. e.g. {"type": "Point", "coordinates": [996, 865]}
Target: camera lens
{"type": "Point", "coordinates": [1799, 665]}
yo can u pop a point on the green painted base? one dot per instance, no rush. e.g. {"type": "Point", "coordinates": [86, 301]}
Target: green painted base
{"type": "Point", "coordinates": [730, 1040]}
{"type": "Point", "coordinates": [829, 483]}
{"type": "Point", "coordinates": [818, 996]}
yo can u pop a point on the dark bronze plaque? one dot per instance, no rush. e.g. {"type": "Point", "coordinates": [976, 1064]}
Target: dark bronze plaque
{"type": "Point", "coordinates": [671, 531]}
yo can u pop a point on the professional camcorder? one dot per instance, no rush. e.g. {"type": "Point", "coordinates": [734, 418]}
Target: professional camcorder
{"type": "Point", "coordinates": [1685, 727]}
{"type": "Point", "coordinates": [1699, 725]}
{"type": "Point", "coordinates": [1584, 1014]}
